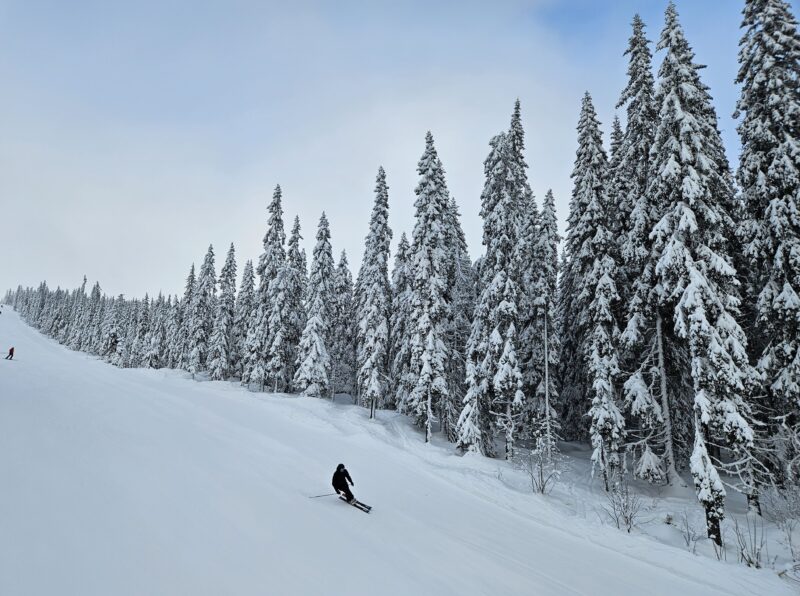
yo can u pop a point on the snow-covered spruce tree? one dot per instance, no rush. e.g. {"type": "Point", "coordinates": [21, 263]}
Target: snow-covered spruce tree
{"type": "Point", "coordinates": [36, 314]}
{"type": "Point", "coordinates": [590, 179]}
{"type": "Point", "coordinates": [657, 395]}
{"type": "Point", "coordinates": [106, 304]}
{"type": "Point", "coordinates": [342, 331]}
{"type": "Point", "coordinates": [279, 345]}
{"type": "Point", "coordinates": [172, 345]}
{"type": "Point", "coordinates": [769, 177]}
{"type": "Point", "coordinates": [462, 300]}
{"type": "Point", "coordinates": [542, 418]}
{"type": "Point", "coordinates": [518, 166]}
{"type": "Point", "coordinates": [59, 325]}
{"type": "Point", "coordinates": [617, 224]}
{"type": "Point", "coordinates": [313, 361]}
{"type": "Point", "coordinates": [91, 323]}
{"type": "Point", "coordinates": [86, 321]}
{"type": "Point", "coordinates": [112, 325]}
{"type": "Point", "coordinates": [244, 311]}
{"type": "Point", "coordinates": [72, 330]}
{"type": "Point", "coordinates": [201, 314]}
{"type": "Point", "coordinates": [695, 282]}
{"type": "Point", "coordinates": [221, 342]}
{"type": "Point", "coordinates": [297, 260]}
{"type": "Point", "coordinates": [314, 364]}
{"type": "Point", "coordinates": [140, 341]}
{"type": "Point", "coordinates": [44, 316]}
{"type": "Point", "coordinates": [73, 312]}
{"type": "Point", "coordinates": [56, 313]}
{"type": "Point", "coordinates": [153, 344]}
{"type": "Point", "coordinates": [121, 327]}
{"type": "Point", "coordinates": [430, 308]}
{"type": "Point", "coordinates": [494, 399]}
{"type": "Point", "coordinates": [532, 274]}
{"type": "Point", "coordinates": [254, 370]}
{"type": "Point", "coordinates": [607, 430]}
{"type": "Point", "coordinates": [616, 143]}
{"type": "Point", "coordinates": [69, 309]}
{"type": "Point", "coordinates": [298, 288]}
{"type": "Point", "coordinates": [527, 223]}
{"type": "Point", "coordinates": [401, 379]}
{"type": "Point", "coordinates": [83, 335]}
{"type": "Point", "coordinates": [630, 170]}
{"type": "Point", "coordinates": [185, 322]}
{"type": "Point", "coordinates": [94, 319]}
{"type": "Point", "coordinates": [287, 316]}
{"type": "Point", "coordinates": [321, 278]}
{"type": "Point", "coordinates": [304, 270]}
{"type": "Point", "coordinates": [131, 318]}
{"type": "Point", "coordinates": [373, 302]}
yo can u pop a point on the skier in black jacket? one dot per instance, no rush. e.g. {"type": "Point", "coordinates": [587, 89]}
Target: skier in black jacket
{"type": "Point", "coordinates": [340, 479]}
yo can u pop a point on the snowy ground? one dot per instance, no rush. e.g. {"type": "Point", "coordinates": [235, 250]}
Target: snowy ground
{"type": "Point", "coordinates": [146, 482]}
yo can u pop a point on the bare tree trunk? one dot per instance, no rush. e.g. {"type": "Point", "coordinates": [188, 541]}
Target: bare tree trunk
{"type": "Point", "coordinates": [428, 416]}
{"type": "Point", "coordinates": [669, 451]}
{"type": "Point", "coordinates": [712, 526]}
{"type": "Point", "coordinates": [509, 433]}
{"type": "Point", "coordinates": [547, 386]}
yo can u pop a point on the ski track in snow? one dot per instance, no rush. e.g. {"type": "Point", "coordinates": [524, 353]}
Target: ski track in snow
{"type": "Point", "coordinates": [146, 482]}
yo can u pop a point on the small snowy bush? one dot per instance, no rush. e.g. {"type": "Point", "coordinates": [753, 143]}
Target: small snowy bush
{"type": "Point", "coordinates": [623, 507]}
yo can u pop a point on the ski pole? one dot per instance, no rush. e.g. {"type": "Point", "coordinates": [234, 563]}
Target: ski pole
{"type": "Point", "coordinates": [325, 495]}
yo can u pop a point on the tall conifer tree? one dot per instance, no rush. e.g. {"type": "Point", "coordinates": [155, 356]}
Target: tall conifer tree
{"type": "Point", "coordinates": [201, 314]}
{"type": "Point", "coordinates": [313, 375]}
{"type": "Point", "coordinates": [430, 307]}
{"type": "Point", "coordinates": [400, 325]}
{"type": "Point", "coordinates": [590, 179]}
{"type": "Point", "coordinates": [494, 399]}
{"type": "Point", "coordinates": [185, 323]}
{"type": "Point", "coordinates": [769, 177]}
{"type": "Point", "coordinates": [373, 302]}
{"type": "Point", "coordinates": [695, 282]}
{"type": "Point", "coordinates": [343, 330]}
{"type": "Point", "coordinates": [271, 260]}
{"type": "Point", "coordinates": [244, 311]}
{"type": "Point", "coordinates": [221, 343]}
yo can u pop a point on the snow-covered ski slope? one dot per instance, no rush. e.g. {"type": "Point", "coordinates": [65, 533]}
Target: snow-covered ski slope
{"type": "Point", "coordinates": [145, 482]}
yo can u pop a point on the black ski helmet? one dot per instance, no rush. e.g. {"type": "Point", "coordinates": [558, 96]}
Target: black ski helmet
{"type": "Point", "coordinates": [340, 467]}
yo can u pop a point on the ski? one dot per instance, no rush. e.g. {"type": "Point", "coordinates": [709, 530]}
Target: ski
{"type": "Point", "coordinates": [358, 505]}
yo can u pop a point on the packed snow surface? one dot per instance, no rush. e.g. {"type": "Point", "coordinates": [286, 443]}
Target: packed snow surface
{"type": "Point", "coordinates": [146, 482]}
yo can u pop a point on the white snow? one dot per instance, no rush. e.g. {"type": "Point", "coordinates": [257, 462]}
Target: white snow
{"type": "Point", "coordinates": [118, 481]}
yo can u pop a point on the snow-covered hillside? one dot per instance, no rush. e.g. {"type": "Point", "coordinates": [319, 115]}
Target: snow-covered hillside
{"type": "Point", "coordinates": [120, 481]}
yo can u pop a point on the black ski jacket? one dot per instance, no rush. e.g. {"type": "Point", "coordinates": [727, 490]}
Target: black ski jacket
{"type": "Point", "coordinates": [340, 480]}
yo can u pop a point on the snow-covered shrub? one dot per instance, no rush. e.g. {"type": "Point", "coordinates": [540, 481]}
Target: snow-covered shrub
{"type": "Point", "coordinates": [623, 507]}
{"type": "Point", "coordinates": [782, 506]}
{"type": "Point", "coordinates": [649, 466]}
{"type": "Point", "coordinates": [751, 539]}
{"type": "Point", "coordinates": [688, 531]}
{"type": "Point", "coordinates": [543, 466]}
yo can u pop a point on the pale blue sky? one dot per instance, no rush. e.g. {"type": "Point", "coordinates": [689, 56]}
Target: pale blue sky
{"type": "Point", "coordinates": [135, 134]}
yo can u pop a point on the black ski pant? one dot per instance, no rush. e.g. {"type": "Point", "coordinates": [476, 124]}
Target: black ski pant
{"type": "Point", "coordinates": [347, 494]}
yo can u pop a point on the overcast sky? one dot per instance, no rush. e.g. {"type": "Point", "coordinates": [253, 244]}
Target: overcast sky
{"type": "Point", "coordinates": [135, 134]}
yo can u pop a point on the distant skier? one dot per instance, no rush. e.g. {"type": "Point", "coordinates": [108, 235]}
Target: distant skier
{"type": "Point", "coordinates": [340, 479]}
{"type": "Point", "coordinates": [10, 353]}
